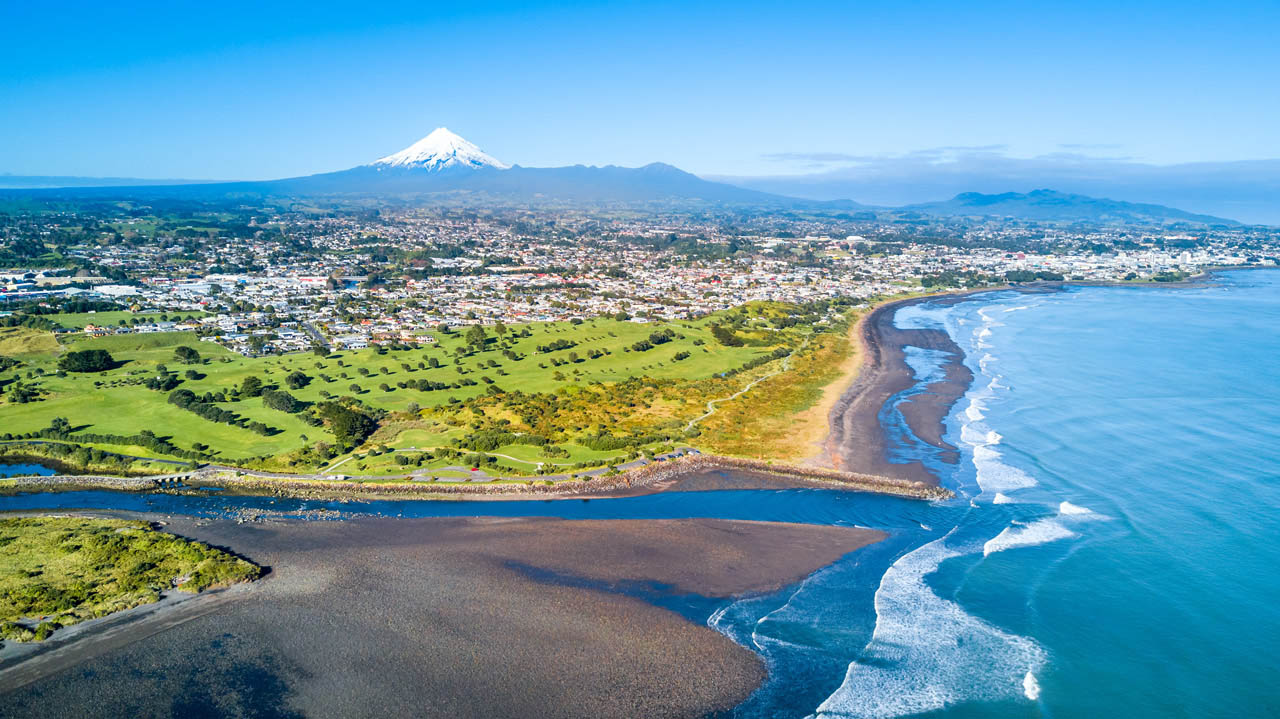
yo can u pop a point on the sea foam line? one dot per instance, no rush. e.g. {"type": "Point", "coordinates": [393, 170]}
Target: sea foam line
{"type": "Point", "coordinates": [928, 653]}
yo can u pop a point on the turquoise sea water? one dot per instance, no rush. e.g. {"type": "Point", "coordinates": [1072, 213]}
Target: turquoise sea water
{"type": "Point", "coordinates": [1119, 557]}
{"type": "Point", "coordinates": [1113, 552]}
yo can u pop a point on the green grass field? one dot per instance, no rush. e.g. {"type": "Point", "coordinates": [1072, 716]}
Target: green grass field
{"type": "Point", "coordinates": [115, 402]}
{"type": "Point", "coordinates": [79, 320]}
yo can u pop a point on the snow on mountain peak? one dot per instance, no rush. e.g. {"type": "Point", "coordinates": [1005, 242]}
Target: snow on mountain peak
{"type": "Point", "coordinates": [439, 150]}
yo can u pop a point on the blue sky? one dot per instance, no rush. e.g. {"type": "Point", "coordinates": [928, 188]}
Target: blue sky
{"type": "Point", "coordinates": [270, 89]}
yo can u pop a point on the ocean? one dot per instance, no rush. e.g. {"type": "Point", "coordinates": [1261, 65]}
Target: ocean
{"type": "Point", "coordinates": [1117, 558]}
{"type": "Point", "coordinates": [1111, 552]}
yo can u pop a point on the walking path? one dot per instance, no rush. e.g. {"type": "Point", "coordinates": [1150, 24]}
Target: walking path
{"type": "Point", "coordinates": [786, 365]}
{"type": "Point", "coordinates": [348, 458]}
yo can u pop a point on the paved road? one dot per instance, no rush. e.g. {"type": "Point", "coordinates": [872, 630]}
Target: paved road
{"type": "Point", "coordinates": [315, 335]}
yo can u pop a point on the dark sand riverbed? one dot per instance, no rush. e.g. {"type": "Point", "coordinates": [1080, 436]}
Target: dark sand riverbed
{"type": "Point", "coordinates": [440, 617]}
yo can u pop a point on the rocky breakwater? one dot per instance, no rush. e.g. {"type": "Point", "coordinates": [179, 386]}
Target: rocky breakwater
{"type": "Point", "coordinates": [834, 477]}
{"type": "Point", "coordinates": [39, 483]}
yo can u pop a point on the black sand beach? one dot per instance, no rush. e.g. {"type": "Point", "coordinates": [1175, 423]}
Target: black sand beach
{"type": "Point", "coordinates": [857, 441]}
{"type": "Point", "coordinates": [439, 617]}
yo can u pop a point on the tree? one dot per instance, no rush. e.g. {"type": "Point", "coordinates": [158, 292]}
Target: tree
{"type": "Point", "coordinates": [476, 337]}
{"type": "Point", "coordinates": [186, 355]}
{"type": "Point", "coordinates": [86, 361]}
{"type": "Point", "coordinates": [725, 336]}
{"type": "Point", "coordinates": [348, 426]}
{"type": "Point", "coordinates": [251, 386]}
{"type": "Point", "coordinates": [281, 400]}
{"type": "Point", "coordinates": [297, 380]}
{"type": "Point", "coordinates": [500, 328]}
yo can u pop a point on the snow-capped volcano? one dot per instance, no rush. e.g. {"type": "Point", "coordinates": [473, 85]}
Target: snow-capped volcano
{"type": "Point", "coordinates": [440, 150]}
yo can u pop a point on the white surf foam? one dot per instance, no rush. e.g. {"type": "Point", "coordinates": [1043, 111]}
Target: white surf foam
{"type": "Point", "coordinates": [926, 652]}
{"type": "Point", "coordinates": [1069, 508]}
{"type": "Point", "coordinates": [1001, 498]}
{"type": "Point", "coordinates": [973, 413]}
{"type": "Point", "coordinates": [996, 476]}
{"type": "Point", "coordinates": [1041, 531]}
{"type": "Point", "coordinates": [1031, 687]}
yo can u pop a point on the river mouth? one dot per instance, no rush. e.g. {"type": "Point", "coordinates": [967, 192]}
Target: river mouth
{"type": "Point", "coordinates": [374, 615]}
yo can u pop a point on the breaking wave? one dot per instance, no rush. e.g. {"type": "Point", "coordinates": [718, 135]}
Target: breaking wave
{"type": "Point", "coordinates": [928, 653]}
{"type": "Point", "coordinates": [1038, 532]}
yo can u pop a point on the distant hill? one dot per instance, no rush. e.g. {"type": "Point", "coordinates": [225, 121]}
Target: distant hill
{"type": "Point", "coordinates": [1052, 206]}
{"type": "Point", "coordinates": [15, 182]}
{"type": "Point", "coordinates": [446, 167]}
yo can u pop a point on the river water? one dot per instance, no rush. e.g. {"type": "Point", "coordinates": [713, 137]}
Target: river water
{"type": "Point", "coordinates": [1111, 551]}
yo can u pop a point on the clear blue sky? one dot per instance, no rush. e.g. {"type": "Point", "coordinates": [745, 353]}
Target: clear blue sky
{"type": "Point", "coordinates": [232, 90]}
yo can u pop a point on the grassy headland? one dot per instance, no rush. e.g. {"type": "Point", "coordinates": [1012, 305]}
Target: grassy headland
{"type": "Point", "coordinates": [57, 571]}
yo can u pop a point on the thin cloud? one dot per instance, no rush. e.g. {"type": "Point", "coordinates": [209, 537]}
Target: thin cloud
{"type": "Point", "coordinates": [814, 160]}
{"type": "Point", "coordinates": [960, 150]}
{"type": "Point", "coordinates": [818, 157]}
{"type": "Point", "coordinates": [1080, 157]}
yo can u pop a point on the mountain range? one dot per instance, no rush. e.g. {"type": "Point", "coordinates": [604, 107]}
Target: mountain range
{"type": "Point", "coordinates": [1052, 206]}
{"type": "Point", "coordinates": [444, 167]}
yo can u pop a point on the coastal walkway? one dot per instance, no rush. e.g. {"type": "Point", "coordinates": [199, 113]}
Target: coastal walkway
{"type": "Point", "coordinates": [711, 406]}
